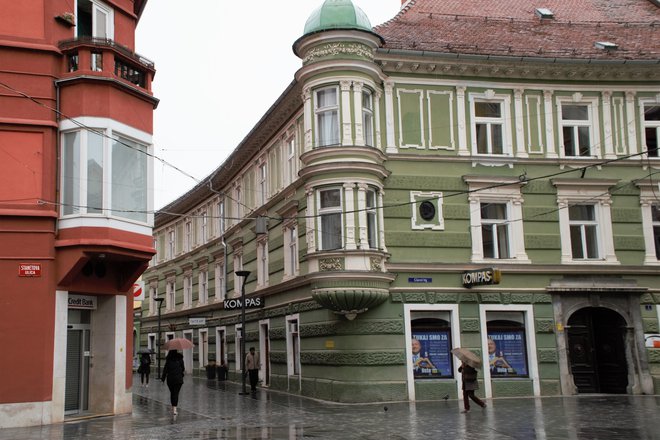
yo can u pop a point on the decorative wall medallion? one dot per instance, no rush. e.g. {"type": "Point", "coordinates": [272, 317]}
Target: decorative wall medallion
{"type": "Point", "coordinates": [330, 264]}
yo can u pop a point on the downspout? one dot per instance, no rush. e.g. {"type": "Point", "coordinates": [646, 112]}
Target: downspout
{"type": "Point", "coordinates": [58, 156]}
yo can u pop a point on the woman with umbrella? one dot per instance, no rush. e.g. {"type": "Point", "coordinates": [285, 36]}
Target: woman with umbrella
{"type": "Point", "coordinates": [174, 369]}
{"type": "Point", "coordinates": [469, 363]}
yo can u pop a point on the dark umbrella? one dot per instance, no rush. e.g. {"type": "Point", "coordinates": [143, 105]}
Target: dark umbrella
{"type": "Point", "coordinates": [145, 350]}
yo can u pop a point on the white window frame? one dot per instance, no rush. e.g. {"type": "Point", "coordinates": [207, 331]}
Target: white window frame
{"type": "Point", "coordinates": [203, 286]}
{"type": "Point", "coordinates": [238, 203]}
{"type": "Point", "coordinates": [489, 96]}
{"type": "Point", "coordinates": [153, 292]}
{"type": "Point", "coordinates": [111, 132]}
{"type": "Point", "coordinates": [371, 212]}
{"type": "Point", "coordinates": [220, 208]}
{"type": "Point", "coordinates": [497, 224]}
{"type": "Point", "coordinates": [291, 246]}
{"type": "Point", "coordinates": [220, 281]}
{"type": "Point", "coordinates": [454, 323]}
{"type": "Point", "coordinates": [262, 176]}
{"type": "Point", "coordinates": [203, 226]}
{"type": "Point", "coordinates": [593, 123]}
{"type": "Point", "coordinates": [187, 290]}
{"type": "Point", "coordinates": [221, 344]}
{"type": "Point", "coordinates": [238, 335]}
{"type": "Point", "coordinates": [171, 243]}
{"type": "Point", "coordinates": [321, 111]}
{"type": "Point", "coordinates": [238, 265]}
{"type": "Point", "coordinates": [170, 294]}
{"type": "Point", "coordinates": [187, 235]}
{"type": "Point", "coordinates": [291, 160]}
{"type": "Point", "coordinates": [530, 337]}
{"type": "Point", "coordinates": [334, 210]}
{"type": "Point", "coordinates": [262, 262]}
{"type": "Point", "coordinates": [649, 124]}
{"type": "Point", "coordinates": [648, 197]}
{"type": "Point", "coordinates": [487, 189]}
{"type": "Point", "coordinates": [368, 128]}
{"type": "Point", "coordinates": [586, 192]}
{"type": "Point", "coordinates": [109, 19]}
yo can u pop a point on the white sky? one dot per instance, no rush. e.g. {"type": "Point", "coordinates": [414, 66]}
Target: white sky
{"type": "Point", "coordinates": [220, 64]}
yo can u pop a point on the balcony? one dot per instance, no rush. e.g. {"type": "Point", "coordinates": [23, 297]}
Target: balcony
{"type": "Point", "coordinates": [88, 56]}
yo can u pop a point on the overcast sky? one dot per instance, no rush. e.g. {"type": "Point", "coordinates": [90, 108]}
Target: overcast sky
{"type": "Point", "coordinates": [220, 65]}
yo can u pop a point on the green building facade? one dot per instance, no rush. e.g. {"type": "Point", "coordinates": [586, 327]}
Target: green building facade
{"type": "Point", "coordinates": [480, 179]}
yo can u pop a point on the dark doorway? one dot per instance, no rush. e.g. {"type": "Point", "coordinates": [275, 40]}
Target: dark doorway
{"type": "Point", "coordinates": [597, 352]}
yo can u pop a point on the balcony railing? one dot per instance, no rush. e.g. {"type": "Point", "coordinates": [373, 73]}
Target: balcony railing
{"type": "Point", "coordinates": [87, 54]}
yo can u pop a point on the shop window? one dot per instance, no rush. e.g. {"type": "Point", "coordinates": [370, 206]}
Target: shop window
{"type": "Point", "coordinates": [507, 345]}
{"type": "Point", "coordinates": [431, 344]}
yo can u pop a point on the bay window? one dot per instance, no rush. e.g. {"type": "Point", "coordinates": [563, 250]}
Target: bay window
{"type": "Point", "coordinates": [104, 173]}
{"type": "Point", "coordinates": [372, 216]}
{"type": "Point", "coordinates": [368, 117]}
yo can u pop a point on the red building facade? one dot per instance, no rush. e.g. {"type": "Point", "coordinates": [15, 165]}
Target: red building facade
{"type": "Point", "coordinates": [76, 123]}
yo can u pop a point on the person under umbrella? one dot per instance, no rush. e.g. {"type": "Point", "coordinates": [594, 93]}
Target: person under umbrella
{"type": "Point", "coordinates": [174, 371]}
{"type": "Point", "coordinates": [469, 363]}
{"type": "Point", "coordinates": [145, 368]}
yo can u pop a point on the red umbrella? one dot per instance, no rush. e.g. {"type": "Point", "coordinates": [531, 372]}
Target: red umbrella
{"type": "Point", "coordinates": [178, 344]}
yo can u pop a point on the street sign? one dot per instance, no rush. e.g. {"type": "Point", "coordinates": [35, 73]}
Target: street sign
{"type": "Point", "coordinates": [29, 269]}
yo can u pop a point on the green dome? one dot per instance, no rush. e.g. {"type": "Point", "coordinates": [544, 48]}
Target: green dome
{"type": "Point", "coordinates": [337, 14]}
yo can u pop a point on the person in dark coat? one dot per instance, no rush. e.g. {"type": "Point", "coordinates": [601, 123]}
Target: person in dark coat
{"type": "Point", "coordinates": [470, 384]}
{"type": "Point", "coordinates": [144, 369]}
{"type": "Point", "coordinates": [173, 371]}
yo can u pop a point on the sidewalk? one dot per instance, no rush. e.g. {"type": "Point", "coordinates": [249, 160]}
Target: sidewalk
{"type": "Point", "coordinates": [215, 410]}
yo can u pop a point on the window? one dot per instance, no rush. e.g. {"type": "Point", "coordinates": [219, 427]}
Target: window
{"type": "Point", "coordinates": [495, 230]}
{"type": "Point", "coordinates": [372, 222]}
{"type": "Point", "coordinates": [585, 220]}
{"type": "Point", "coordinates": [489, 127]}
{"type": "Point", "coordinates": [431, 344]}
{"type": "Point", "coordinates": [263, 186]}
{"type": "Point", "coordinates": [327, 116]}
{"type": "Point", "coordinates": [584, 231]}
{"type": "Point", "coordinates": [204, 226]}
{"type": "Point", "coordinates": [368, 117]}
{"type": "Point", "coordinates": [94, 19]}
{"type": "Point", "coordinates": [187, 291]}
{"type": "Point", "coordinates": [203, 295]}
{"type": "Point", "coordinates": [652, 129]}
{"type": "Point", "coordinates": [171, 243]}
{"type": "Point", "coordinates": [506, 344]}
{"type": "Point", "coordinates": [576, 130]}
{"type": "Point", "coordinates": [188, 237]}
{"type": "Point", "coordinates": [262, 262]}
{"type": "Point", "coordinates": [170, 294]}
{"type": "Point", "coordinates": [220, 286]}
{"type": "Point", "coordinates": [655, 216]}
{"type": "Point", "coordinates": [221, 217]}
{"type": "Point", "coordinates": [330, 210]}
{"type": "Point", "coordinates": [104, 176]}
{"type": "Point", "coordinates": [153, 306]}
{"type": "Point", "coordinates": [290, 249]}
{"type": "Point", "coordinates": [291, 161]}
{"type": "Point", "coordinates": [496, 223]}
{"type": "Point", "coordinates": [238, 203]}
{"type": "Point", "coordinates": [650, 205]}
{"type": "Point", "coordinates": [238, 265]}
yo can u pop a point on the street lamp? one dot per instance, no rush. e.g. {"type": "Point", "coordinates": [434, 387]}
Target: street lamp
{"type": "Point", "coordinates": [160, 304]}
{"type": "Point", "coordinates": [243, 274]}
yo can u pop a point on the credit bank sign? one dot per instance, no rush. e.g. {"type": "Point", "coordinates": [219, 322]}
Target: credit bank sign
{"type": "Point", "coordinates": [480, 277]}
{"type": "Point", "coordinates": [250, 303]}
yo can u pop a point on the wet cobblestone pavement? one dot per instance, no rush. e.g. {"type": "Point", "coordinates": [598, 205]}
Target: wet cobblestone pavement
{"type": "Point", "coordinates": [215, 410]}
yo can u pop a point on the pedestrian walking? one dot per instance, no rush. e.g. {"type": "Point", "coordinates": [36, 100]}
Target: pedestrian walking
{"type": "Point", "coordinates": [470, 384]}
{"type": "Point", "coordinates": [145, 369]}
{"type": "Point", "coordinates": [173, 371]}
{"type": "Point", "coordinates": [252, 365]}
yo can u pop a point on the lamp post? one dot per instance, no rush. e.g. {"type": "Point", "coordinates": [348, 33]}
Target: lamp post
{"type": "Point", "coordinates": [160, 304]}
{"type": "Point", "coordinates": [243, 274]}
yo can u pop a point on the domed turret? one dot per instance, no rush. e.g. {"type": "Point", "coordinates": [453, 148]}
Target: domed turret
{"type": "Point", "coordinates": [337, 14]}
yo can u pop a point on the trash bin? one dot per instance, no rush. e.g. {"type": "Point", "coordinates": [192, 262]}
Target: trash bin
{"type": "Point", "coordinates": [210, 370]}
{"type": "Point", "coordinates": [222, 372]}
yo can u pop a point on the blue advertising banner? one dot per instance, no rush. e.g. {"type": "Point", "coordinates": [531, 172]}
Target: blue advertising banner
{"type": "Point", "coordinates": [431, 354]}
{"type": "Point", "coordinates": [507, 353]}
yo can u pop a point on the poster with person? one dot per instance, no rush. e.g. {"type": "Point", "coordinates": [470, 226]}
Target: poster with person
{"type": "Point", "coordinates": [431, 357]}
{"type": "Point", "coordinates": [507, 353]}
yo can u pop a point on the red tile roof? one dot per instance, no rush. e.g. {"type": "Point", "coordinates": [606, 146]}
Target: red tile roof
{"type": "Point", "coordinates": [511, 28]}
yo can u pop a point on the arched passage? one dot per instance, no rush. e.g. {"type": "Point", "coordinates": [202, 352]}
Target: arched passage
{"type": "Point", "coordinates": [597, 352]}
